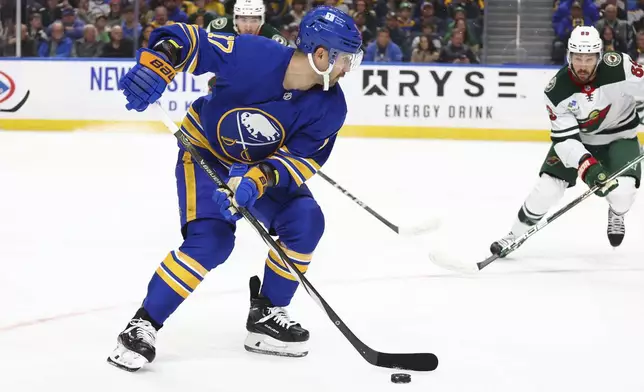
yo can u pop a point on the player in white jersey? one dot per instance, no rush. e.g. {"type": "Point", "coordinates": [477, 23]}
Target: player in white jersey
{"type": "Point", "coordinates": [591, 103]}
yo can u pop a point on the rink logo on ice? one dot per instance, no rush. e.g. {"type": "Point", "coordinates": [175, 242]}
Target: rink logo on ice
{"type": "Point", "coordinates": [7, 87]}
{"type": "Point", "coordinates": [249, 135]}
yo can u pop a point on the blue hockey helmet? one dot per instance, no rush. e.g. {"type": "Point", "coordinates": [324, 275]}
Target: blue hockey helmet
{"type": "Point", "coordinates": [335, 31]}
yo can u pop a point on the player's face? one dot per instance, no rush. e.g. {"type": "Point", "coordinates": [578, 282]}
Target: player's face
{"type": "Point", "coordinates": [344, 62]}
{"type": "Point", "coordinates": [584, 65]}
{"type": "Point", "coordinates": [248, 24]}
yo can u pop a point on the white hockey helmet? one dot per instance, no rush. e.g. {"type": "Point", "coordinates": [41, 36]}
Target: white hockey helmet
{"type": "Point", "coordinates": [585, 39]}
{"type": "Point", "coordinates": [249, 8]}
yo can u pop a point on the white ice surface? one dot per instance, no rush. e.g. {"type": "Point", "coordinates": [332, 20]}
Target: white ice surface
{"type": "Point", "coordinates": [85, 218]}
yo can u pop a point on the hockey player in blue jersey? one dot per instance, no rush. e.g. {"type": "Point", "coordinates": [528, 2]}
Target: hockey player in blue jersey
{"type": "Point", "coordinates": [269, 125]}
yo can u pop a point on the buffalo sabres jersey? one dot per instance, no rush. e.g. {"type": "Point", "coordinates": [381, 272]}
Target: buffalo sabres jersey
{"type": "Point", "coordinates": [250, 117]}
{"type": "Point", "coordinates": [225, 25]}
{"type": "Point", "coordinates": [601, 111]}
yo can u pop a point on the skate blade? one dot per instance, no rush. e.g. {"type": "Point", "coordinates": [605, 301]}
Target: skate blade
{"type": "Point", "coordinates": [263, 344]}
{"type": "Point", "coordinates": [126, 359]}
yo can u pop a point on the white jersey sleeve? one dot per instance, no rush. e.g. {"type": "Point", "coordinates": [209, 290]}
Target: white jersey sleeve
{"type": "Point", "coordinates": [633, 77]}
{"type": "Point", "coordinates": [564, 132]}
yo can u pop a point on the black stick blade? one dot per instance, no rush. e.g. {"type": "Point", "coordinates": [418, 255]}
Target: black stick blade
{"type": "Point", "coordinates": [422, 362]}
{"type": "Point", "coordinates": [487, 262]}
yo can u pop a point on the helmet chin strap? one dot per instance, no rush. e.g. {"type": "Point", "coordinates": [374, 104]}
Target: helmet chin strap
{"type": "Point", "coordinates": [325, 74]}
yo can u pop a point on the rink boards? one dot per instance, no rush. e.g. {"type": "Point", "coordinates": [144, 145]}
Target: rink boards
{"type": "Point", "coordinates": [393, 101]}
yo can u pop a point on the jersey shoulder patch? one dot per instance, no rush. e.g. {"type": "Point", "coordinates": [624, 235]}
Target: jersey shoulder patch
{"type": "Point", "coordinates": [612, 59]}
{"type": "Point", "coordinates": [218, 24]}
{"type": "Point", "coordinates": [271, 32]}
{"type": "Point", "coordinates": [560, 87]}
{"type": "Point", "coordinates": [551, 84]}
{"type": "Point", "coordinates": [280, 39]}
{"type": "Point", "coordinates": [610, 69]}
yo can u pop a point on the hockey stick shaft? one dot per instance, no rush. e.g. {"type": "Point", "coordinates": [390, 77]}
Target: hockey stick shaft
{"type": "Point", "coordinates": [427, 226]}
{"type": "Point", "coordinates": [420, 361]}
{"type": "Point", "coordinates": [359, 202]}
{"type": "Point", "coordinates": [545, 222]}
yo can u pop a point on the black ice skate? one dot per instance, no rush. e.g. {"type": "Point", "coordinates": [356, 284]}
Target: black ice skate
{"type": "Point", "coordinates": [135, 346]}
{"type": "Point", "coordinates": [498, 247]}
{"type": "Point", "coordinates": [270, 330]}
{"type": "Point", "coordinates": [616, 228]}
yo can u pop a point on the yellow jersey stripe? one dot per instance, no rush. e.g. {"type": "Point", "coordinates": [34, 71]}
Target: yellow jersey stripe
{"type": "Point", "coordinates": [273, 257]}
{"type": "Point", "coordinates": [194, 33]}
{"type": "Point", "coordinates": [313, 165]}
{"type": "Point", "coordinates": [173, 284]}
{"type": "Point", "coordinates": [295, 255]}
{"type": "Point", "coordinates": [279, 271]}
{"type": "Point", "coordinates": [181, 67]}
{"type": "Point", "coordinates": [302, 168]}
{"type": "Point", "coordinates": [180, 272]}
{"type": "Point", "coordinates": [191, 187]}
{"type": "Point", "coordinates": [192, 140]}
{"type": "Point", "coordinates": [277, 261]}
{"type": "Point", "coordinates": [190, 262]}
{"type": "Point", "coordinates": [191, 125]}
{"type": "Point", "coordinates": [193, 116]}
{"type": "Point", "coordinates": [296, 176]}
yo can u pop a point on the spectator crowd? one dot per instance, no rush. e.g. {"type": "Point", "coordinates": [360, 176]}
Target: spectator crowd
{"type": "Point", "coordinates": [620, 25]}
{"type": "Point", "coordinates": [418, 31]}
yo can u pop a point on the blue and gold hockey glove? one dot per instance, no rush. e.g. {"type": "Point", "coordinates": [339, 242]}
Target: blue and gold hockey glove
{"type": "Point", "coordinates": [144, 84]}
{"type": "Point", "coordinates": [246, 185]}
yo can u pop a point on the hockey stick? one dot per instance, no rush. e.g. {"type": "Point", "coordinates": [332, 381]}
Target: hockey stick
{"type": "Point", "coordinates": [545, 222]}
{"type": "Point", "coordinates": [542, 223]}
{"type": "Point", "coordinates": [408, 231]}
{"type": "Point", "coordinates": [415, 361]}
{"type": "Point", "coordinates": [18, 106]}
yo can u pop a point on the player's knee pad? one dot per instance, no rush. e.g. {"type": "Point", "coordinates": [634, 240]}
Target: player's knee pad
{"type": "Point", "coordinates": [300, 225]}
{"type": "Point", "coordinates": [546, 193]}
{"type": "Point", "coordinates": [621, 199]}
{"type": "Point", "coordinates": [209, 242]}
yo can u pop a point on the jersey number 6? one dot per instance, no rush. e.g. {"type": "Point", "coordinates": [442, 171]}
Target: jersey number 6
{"type": "Point", "coordinates": [636, 69]}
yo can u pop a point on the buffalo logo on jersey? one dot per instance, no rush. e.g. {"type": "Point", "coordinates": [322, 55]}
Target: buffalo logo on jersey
{"type": "Point", "coordinates": [249, 135]}
{"type": "Point", "coordinates": [594, 120]}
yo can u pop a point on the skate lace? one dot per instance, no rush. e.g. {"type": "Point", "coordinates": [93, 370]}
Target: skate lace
{"type": "Point", "coordinates": [144, 331]}
{"type": "Point", "coordinates": [615, 224]}
{"type": "Point", "coordinates": [281, 317]}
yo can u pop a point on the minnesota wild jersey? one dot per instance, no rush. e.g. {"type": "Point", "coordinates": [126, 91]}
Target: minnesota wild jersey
{"type": "Point", "coordinates": [601, 111]}
{"type": "Point", "coordinates": [225, 24]}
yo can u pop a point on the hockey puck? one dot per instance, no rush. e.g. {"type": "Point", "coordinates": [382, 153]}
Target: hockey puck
{"type": "Point", "coordinates": [400, 378]}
